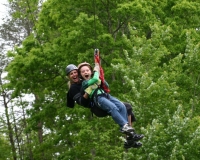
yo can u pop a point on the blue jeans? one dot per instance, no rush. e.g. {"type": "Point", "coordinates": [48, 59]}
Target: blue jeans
{"type": "Point", "coordinates": [115, 108]}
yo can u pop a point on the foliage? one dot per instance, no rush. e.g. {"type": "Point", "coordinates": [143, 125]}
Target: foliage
{"type": "Point", "coordinates": [150, 54]}
{"type": "Point", "coordinates": [5, 148]}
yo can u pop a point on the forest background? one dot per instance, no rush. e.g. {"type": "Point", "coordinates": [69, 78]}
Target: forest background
{"type": "Point", "coordinates": [151, 57]}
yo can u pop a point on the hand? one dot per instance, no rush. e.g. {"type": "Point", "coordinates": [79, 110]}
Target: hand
{"type": "Point", "coordinates": [86, 96]}
{"type": "Point", "coordinates": [96, 59]}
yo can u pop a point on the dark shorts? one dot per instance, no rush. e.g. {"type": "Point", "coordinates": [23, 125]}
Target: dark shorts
{"type": "Point", "coordinates": [130, 111]}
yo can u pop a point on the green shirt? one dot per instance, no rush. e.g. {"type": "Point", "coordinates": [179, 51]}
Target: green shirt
{"type": "Point", "coordinates": [93, 84]}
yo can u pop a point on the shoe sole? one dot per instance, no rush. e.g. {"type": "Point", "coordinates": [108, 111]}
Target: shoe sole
{"type": "Point", "coordinates": [128, 132]}
{"type": "Point", "coordinates": [135, 138]}
{"type": "Point", "coordinates": [138, 145]}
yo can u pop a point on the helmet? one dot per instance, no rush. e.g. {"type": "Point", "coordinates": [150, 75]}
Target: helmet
{"type": "Point", "coordinates": [84, 64]}
{"type": "Point", "coordinates": [70, 68]}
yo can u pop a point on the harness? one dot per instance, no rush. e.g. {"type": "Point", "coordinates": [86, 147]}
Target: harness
{"type": "Point", "coordinates": [95, 95]}
{"type": "Point", "coordinates": [95, 106]}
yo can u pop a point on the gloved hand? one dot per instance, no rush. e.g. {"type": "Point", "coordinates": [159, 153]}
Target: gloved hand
{"type": "Point", "coordinates": [96, 59]}
{"type": "Point", "coordinates": [84, 85]}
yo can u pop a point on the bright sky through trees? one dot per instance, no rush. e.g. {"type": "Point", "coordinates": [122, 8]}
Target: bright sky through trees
{"type": "Point", "coordinates": [2, 10]}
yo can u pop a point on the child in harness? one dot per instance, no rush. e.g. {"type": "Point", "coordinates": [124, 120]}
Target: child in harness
{"type": "Point", "coordinates": [105, 101]}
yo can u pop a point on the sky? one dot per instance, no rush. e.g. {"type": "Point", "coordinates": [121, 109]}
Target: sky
{"type": "Point", "coordinates": [3, 10]}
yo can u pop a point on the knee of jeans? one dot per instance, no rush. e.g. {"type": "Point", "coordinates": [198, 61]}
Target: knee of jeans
{"type": "Point", "coordinates": [114, 108]}
{"type": "Point", "coordinates": [122, 107]}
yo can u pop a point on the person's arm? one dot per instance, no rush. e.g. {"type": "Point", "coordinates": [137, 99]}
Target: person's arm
{"type": "Point", "coordinates": [74, 94]}
{"type": "Point", "coordinates": [70, 101]}
{"type": "Point", "coordinates": [87, 85]}
{"type": "Point", "coordinates": [81, 100]}
{"type": "Point", "coordinates": [86, 96]}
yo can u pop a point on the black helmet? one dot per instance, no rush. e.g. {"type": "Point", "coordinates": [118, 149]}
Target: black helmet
{"type": "Point", "coordinates": [70, 68]}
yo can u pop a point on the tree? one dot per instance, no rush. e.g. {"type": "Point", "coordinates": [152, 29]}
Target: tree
{"type": "Point", "coordinates": [18, 25]}
{"type": "Point", "coordinates": [149, 58]}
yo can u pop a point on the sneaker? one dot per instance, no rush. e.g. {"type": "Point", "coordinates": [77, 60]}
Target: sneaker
{"type": "Point", "coordinates": [127, 129]}
{"type": "Point", "coordinates": [135, 137]}
{"type": "Point", "coordinates": [132, 145]}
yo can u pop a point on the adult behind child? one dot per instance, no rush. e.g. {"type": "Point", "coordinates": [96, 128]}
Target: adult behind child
{"type": "Point", "coordinates": [74, 95]}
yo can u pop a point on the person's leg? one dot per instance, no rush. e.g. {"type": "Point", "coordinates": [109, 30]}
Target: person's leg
{"type": "Point", "coordinates": [132, 141]}
{"type": "Point", "coordinates": [131, 116]}
{"type": "Point", "coordinates": [129, 111]}
{"type": "Point", "coordinates": [111, 108]}
{"type": "Point", "coordinates": [123, 112]}
{"type": "Point", "coordinates": [120, 106]}
{"type": "Point", "coordinates": [129, 120]}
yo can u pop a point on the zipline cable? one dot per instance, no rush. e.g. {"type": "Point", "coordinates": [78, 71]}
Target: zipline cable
{"type": "Point", "coordinates": [95, 34]}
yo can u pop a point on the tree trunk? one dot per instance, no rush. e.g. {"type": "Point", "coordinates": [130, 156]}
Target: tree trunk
{"type": "Point", "coordinates": [30, 153]}
{"type": "Point", "coordinates": [9, 126]}
{"type": "Point", "coordinates": [17, 135]}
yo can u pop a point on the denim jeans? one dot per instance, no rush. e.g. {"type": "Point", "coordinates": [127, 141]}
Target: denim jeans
{"type": "Point", "coordinates": [115, 108]}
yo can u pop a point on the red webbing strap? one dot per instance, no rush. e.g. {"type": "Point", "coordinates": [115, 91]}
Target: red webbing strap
{"type": "Point", "coordinates": [101, 76]}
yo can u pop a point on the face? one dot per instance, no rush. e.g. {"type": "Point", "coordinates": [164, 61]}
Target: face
{"type": "Point", "coordinates": [85, 72]}
{"type": "Point", "coordinates": [73, 76]}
